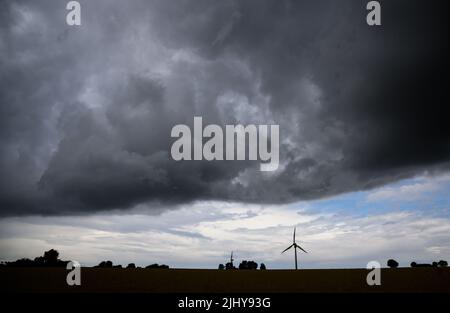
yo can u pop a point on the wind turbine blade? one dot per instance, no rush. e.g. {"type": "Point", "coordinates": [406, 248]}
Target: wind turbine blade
{"type": "Point", "coordinates": [301, 248]}
{"type": "Point", "coordinates": [287, 248]}
{"type": "Point", "coordinates": [294, 235]}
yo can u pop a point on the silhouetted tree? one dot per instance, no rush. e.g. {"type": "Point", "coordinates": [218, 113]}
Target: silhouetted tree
{"type": "Point", "coordinates": [262, 266]}
{"type": "Point", "coordinates": [442, 263]}
{"type": "Point", "coordinates": [434, 264]}
{"type": "Point", "coordinates": [131, 265]}
{"type": "Point", "coordinates": [248, 265]}
{"type": "Point", "coordinates": [117, 266]}
{"type": "Point", "coordinates": [51, 257]}
{"type": "Point", "coordinates": [221, 267]}
{"type": "Point", "coordinates": [392, 263]}
{"type": "Point", "coordinates": [252, 265]}
{"type": "Point", "coordinates": [39, 261]}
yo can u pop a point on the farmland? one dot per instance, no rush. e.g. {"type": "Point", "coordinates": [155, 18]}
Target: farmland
{"type": "Point", "coordinates": [114, 280]}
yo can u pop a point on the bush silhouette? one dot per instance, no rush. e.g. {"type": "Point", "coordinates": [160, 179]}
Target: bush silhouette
{"type": "Point", "coordinates": [24, 262]}
{"type": "Point", "coordinates": [392, 263]}
{"type": "Point", "coordinates": [105, 264]}
{"type": "Point", "coordinates": [131, 265]}
{"type": "Point", "coordinates": [414, 264]}
{"type": "Point", "coordinates": [221, 267]}
{"type": "Point", "coordinates": [442, 263]}
{"type": "Point", "coordinates": [229, 266]}
{"type": "Point", "coordinates": [155, 265]}
{"type": "Point", "coordinates": [262, 266]}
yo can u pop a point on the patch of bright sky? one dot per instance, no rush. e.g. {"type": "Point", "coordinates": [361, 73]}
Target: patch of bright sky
{"type": "Point", "coordinates": [424, 194]}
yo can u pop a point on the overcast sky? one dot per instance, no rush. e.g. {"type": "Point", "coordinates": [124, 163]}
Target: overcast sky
{"type": "Point", "coordinates": [86, 113]}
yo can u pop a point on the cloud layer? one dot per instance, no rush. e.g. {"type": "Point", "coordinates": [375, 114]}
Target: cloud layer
{"type": "Point", "coordinates": [86, 112]}
{"type": "Point", "coordinates": [343, 231]}
{"type": "Point", "coordinates": [202, 236]}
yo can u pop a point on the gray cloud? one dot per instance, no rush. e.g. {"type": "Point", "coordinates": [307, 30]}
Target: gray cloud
{"type": "Point", "coordinates": [203, 234]}
{"type": "Point", "coordinates": [86, 112]}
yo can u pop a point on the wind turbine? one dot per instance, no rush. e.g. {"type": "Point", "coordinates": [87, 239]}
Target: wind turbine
{"type": "Point", "coordinates": [295, 245]}
{"type": "Point", "coordinates": [229, 265]}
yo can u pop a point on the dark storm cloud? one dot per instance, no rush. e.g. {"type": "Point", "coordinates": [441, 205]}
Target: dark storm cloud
{"type": "Point", "coordinates": [86, 112]}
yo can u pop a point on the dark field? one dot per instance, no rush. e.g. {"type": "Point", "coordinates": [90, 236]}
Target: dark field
{"type": "Point", "coordinates": [215, 281]}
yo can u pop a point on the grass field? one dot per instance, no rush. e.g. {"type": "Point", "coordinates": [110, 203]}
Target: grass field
{"type": "Point", "coordinates": [215, 281]}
